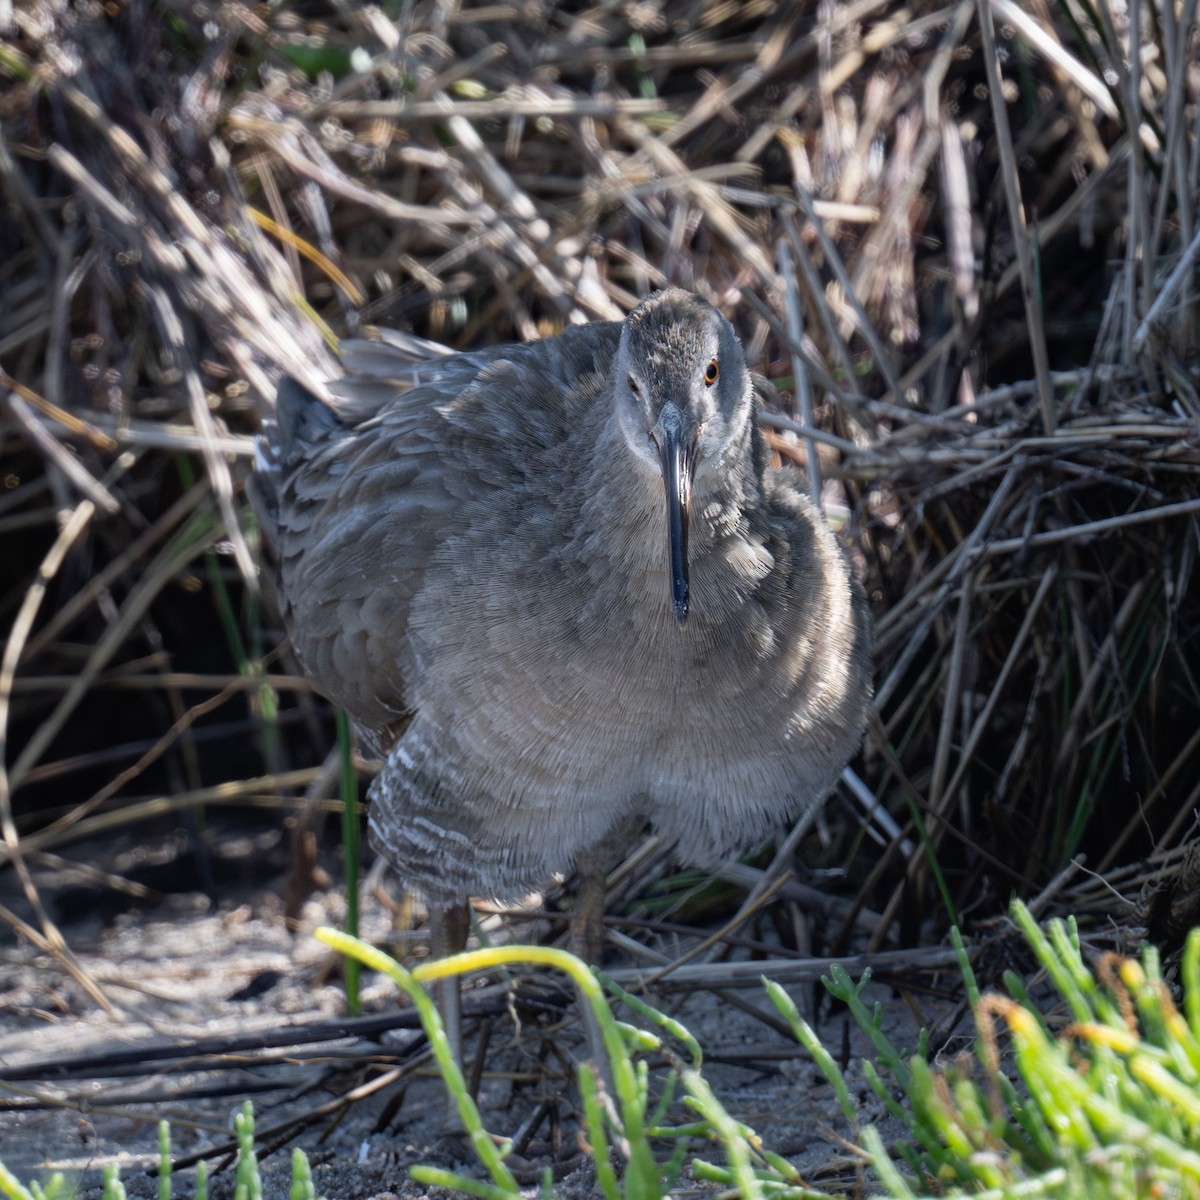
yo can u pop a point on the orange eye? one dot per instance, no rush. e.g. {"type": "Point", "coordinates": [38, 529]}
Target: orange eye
{"type": "Point", "coordinates": [711, 372]}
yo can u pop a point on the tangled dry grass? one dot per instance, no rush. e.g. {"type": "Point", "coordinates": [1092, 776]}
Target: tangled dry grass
{"type": "Point", "coordinates": [959, 240]}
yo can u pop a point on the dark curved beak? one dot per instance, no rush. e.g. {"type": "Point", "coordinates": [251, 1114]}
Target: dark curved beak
{"type": "Point", "coordinates": [678, 465]}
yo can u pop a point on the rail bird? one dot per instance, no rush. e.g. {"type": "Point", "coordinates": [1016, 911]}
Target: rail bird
{"type": "Point", "coordinates": [560, 588]}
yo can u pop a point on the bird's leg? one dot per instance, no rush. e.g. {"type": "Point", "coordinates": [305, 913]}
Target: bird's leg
{"type": "Point", "coordinates": [593, 868]}
{"type": "Point", "coordinates": [587, 921]}
{"type": "Point", "coordinates": [587, 924]}
{"type": "Point", "coordinates": [449, 925]}
{"type": "Point", "coordinates": [586, 941]}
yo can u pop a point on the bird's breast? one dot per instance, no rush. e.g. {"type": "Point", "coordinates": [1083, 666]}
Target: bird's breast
{"type": "Point", "coordinates": [584, 648]}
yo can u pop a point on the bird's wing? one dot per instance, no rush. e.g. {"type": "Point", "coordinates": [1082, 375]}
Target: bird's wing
{"type": "Point", "coordinates": [360, 507]}
{"type": "Point", "coordinates": [359, 500]}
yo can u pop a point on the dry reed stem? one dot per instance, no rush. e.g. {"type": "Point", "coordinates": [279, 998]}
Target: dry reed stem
{"type": "Point", "coordinates": [49, 939]}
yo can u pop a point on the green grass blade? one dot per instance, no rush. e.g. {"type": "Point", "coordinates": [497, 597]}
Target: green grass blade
{"type": "Point", "coordinates": [806, 1036]}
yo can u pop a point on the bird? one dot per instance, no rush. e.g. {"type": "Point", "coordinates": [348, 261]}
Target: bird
{"type": "Point", "coordinates": [560, 588]}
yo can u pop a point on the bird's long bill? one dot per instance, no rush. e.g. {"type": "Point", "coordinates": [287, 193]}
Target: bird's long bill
{"type": "Point", "coordinates": [675, 457]}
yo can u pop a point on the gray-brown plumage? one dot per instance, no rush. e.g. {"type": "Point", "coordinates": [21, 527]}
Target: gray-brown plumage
{"type": "Point", "coordinates": [568, 566]}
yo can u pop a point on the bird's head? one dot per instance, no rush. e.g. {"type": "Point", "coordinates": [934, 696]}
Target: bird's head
{"type": "Point", "coordinates": [684, 398]}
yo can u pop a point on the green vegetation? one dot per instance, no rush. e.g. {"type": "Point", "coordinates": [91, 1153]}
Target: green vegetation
{"type": "Point", "coordinates": [1100, 1104]}
{"type": "Point", "coordinates": [247, 1180]}
{"type": "Point", "coordinates": [1106, 1107]}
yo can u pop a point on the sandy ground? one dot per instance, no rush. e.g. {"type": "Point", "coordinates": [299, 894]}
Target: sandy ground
{"type": "Point", "coordinates": [221, 980]}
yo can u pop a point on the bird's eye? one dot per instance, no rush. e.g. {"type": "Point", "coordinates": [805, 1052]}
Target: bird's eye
{"type": "Point", "coordinates": [633, 386]}
{"type": "Point", "coordinates": [711, 372]}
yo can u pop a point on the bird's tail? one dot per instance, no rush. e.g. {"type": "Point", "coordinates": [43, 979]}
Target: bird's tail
{"type": "Point", "coordinates": [300, 420]}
